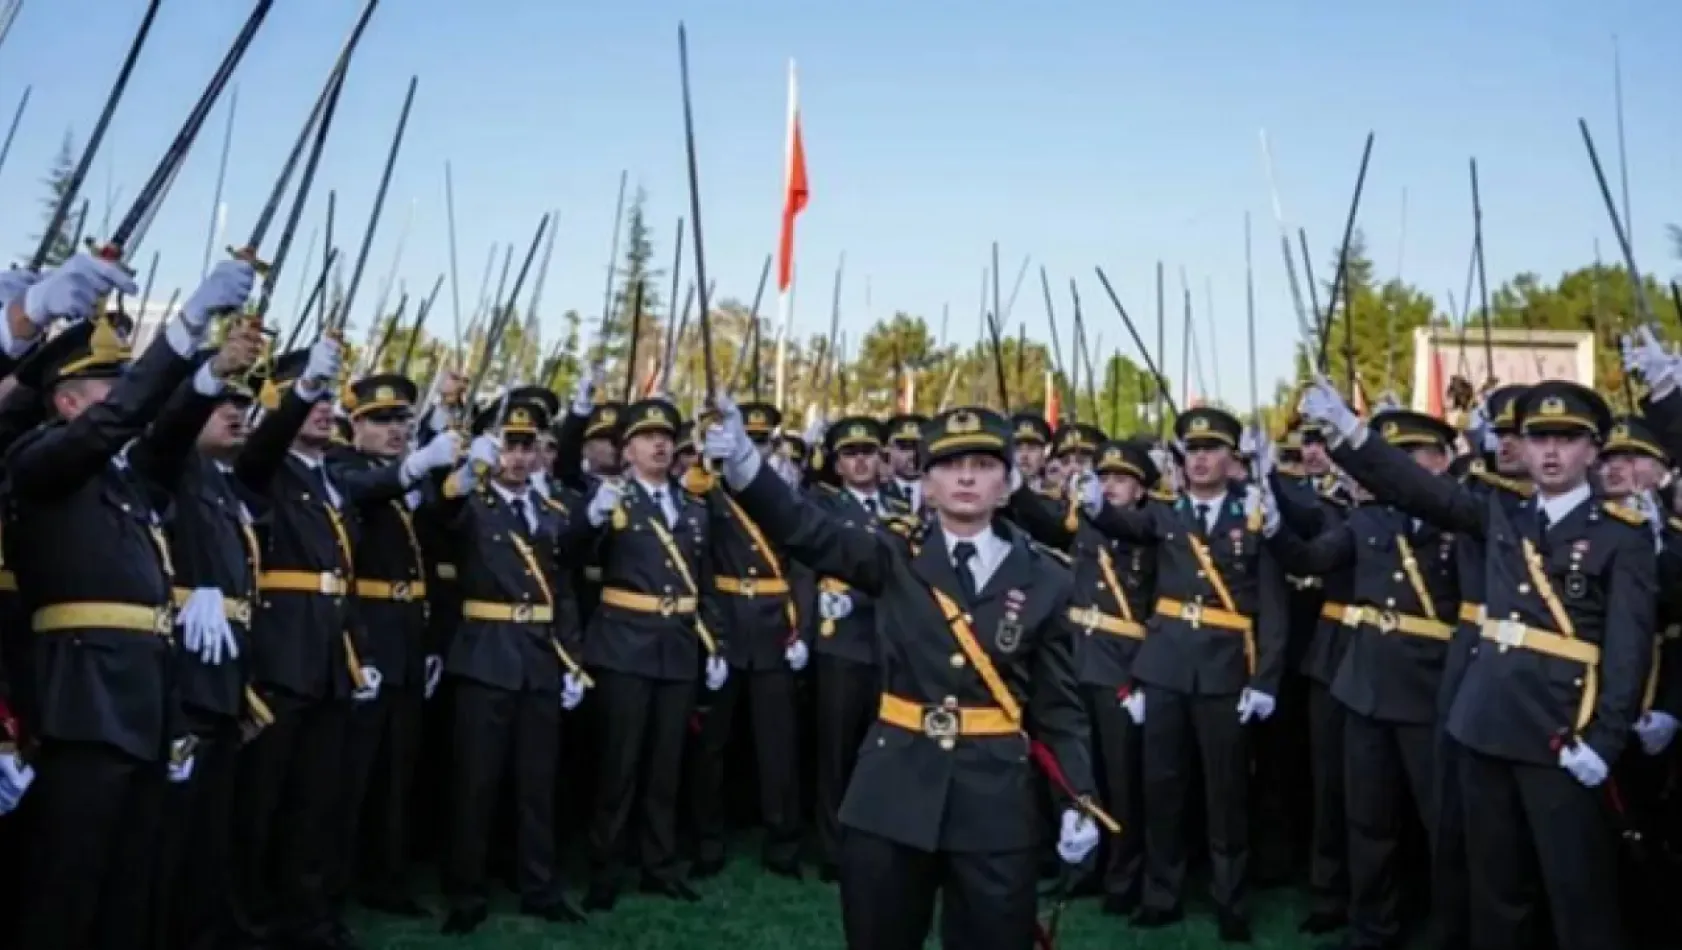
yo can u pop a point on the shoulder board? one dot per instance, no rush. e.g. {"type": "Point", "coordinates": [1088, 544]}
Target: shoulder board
{"type": "Point", "coordinates": [1624, 513]}
{"type": "Point", "coordinates": [1674, 523]}
{"type": "Point", "coordinates": [901, 525]}
{"type": "Point", "coordinates": [1164, 495]}
{"type": "Point", "coordinates": [1055, 492]}
{"type": "Point", "coordinates": [1052, 552]}
{"type": "Point", "coordinates": [1503, 482]}
{"type": "Point", "coordinates": [826, 488]}
{"type": "Point", "coordinates": [549, 502]}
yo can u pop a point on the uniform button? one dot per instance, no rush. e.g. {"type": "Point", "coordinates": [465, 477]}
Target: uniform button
{"type": "Point", "coordinates": [752, 571]}
{"type": "Point", "coordinates": [1524, 588]}
{"type": "Point", "coordinates": [1200, 574]}
{"type": "Point", "coordinates": [957, 660]}
{"type": "Point", "coordinates": [881, 742]}
{"type": "Point", "coordinates": [1389, 601]}
{"type": "Point", "coordinates": [1577, 682]}
{"type": "Point", "coordinates": [1397, 577]}
{"type": "Point", "coordinates": [950, 702]}
{"type": "Point", "coordinates": [947, 745]}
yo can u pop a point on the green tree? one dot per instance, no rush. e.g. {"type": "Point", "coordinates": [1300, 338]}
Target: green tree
{"type": "Point", "coordinates": [58, 182]}
{"type": "Point", "coordinates": [636, 267]}
{"type": "Point", "coordinates": [1372, 325]}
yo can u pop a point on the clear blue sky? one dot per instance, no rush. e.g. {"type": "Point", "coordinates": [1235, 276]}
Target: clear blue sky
{"type": "Point", "coordinates": [1076, 132]}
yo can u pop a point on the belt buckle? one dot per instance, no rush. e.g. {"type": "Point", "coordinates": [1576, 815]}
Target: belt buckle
{"type": "Point", "coordinates": [1353, 614]}
{"type": "Point", "coordinates": [327, 584]}
{"type": "Point", "coordinates": [940, 723]}
{"type": "Point", "coordinates": [241, 612]}
{"type": "Point", "coordinates": [163, 621]}
{"type": "Point", "coordinates": [1386, 621]}
{"type": "Point", "coordinates": [1192, 613]}
{"type": "Point", "coordinates": [748, 586]}
{"type": "Point", "coordinates": [400, 590]}
{"type": "Point", "coordinates": [1087, 617]}
{"type": "Point", "coordinates": [1509, 633]}
{"type": "Point", "coordinates": [523, 613]}
{"type": "Point", "coordinates": [668, 605]}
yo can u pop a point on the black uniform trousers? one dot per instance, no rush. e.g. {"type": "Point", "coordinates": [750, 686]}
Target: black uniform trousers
{"type": "Point", "coordinates": [192, 897]}
{"type": "Point", "coordinates": [95, 814]}
{"type": "Point", "coordinates": [1117, 749]}
{"type": "Point", "coordinates": [1175, 724]}
{"type": "Point", "coordinates": [1381, 760]}
{"type": "Point", "coordinates": [769, 695]}
{"type": "Point", "coordinates": [1450, 924]}
{"type": "Point", "coordinates": [285, 817]}
{"type": "Point", "coordinates": [1328, 861]}
{"type": "Point", "coordinates": [644, 722]}
{"type": "Point", "coordinates": [888, 889]}
{"type": "Point", "coordinates": [492, 728]}
{"type": "Point", "coordinates": [847, 695]}
{"type": "Point", "coordinates": [1522, 819]}
{"type": "Point", "coordinates": [1281, 750]}
{"type": "Point", "coordinates": [382, 743]}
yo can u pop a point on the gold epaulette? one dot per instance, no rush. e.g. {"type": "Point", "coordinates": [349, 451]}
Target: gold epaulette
{"type": "Point", "coordinates": [1523, 489]}
{"type": "Point", "coordinates": [1164, 495]}
{"type": "Point", "coordinates": [1060, 556]}
{"type": "Point", "coordinates": [827, 488]}
{"type": "Point", "coordinates": [903, 525]}
{"type": "Point", "coordinates": [1624, 513]}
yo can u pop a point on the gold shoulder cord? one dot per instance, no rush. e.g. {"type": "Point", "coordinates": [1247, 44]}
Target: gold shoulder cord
{"type": "Point", "coordinates": [1410, 564]}
{"type": "Point", "coordinates": [770, 557]}
{"type": "Point", "coordinates": [1562, 620]}
{"type": "Point", "coordinates": [352, 661]}
{"type": "Point", "coordinates": [682, 567]}
{"type": "Point", "coordinates": [1106, 565]}
{"type": "Point", "coordinates": [261, 715]}
{"type": "Point", "coordinates": [1201, 552]}
{"type": "Point", "coordinates": [536, 569]}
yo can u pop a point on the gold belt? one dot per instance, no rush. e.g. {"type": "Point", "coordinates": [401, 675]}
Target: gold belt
{"type": "Point", "coordinates": [237, 609]}
{"type": "Point", "coordinates": [665, 605]}
{"type": "Point", "coordinates": [750, 586]}
{"type": "Point", "coordinates": [946, 721]}
{"type": "Point", "coordinates": [1470, 612]}
{"type": "Point", "coordinates": [400, 591]}
{"type": "Point", "coordinates": [86, 615]}
{"type": "Point", "coordinates": [1510, 634]}
{"type": "Point", "coordinates": [325, 583]}
{"type": "Point", "coordinates": [1091, 618]}
{"type": "Point", "coordinates": [507, 613]}
{"type": "Point", "coordinates": [1203, 615]}
{"type": "Point", "coordinates": [1388, 621]}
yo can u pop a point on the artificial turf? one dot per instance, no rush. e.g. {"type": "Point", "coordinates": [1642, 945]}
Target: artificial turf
{"type": "Point", "coordinates": [747, 909]}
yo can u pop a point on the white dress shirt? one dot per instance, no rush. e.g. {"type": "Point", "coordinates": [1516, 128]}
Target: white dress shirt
{"type": "Point", "coordinates": [990, 551]}
{"type": "Point", "coordinates": [866, 499]}
{"type": "Point", "coordinates": [1559, 507]}
{"type": "Point", "coordinates": [662, 491]}
{"type": "Point", "coordinates": [1211, 509]}
{"type": "Point", "coordinates": [913, 492]}
{"type": "Point", "coordinates": [525, 499]}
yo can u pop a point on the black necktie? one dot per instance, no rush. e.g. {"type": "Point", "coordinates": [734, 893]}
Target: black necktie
{"type": "Point", "coordinates": [319, 474]}
{"type": "Point", "coordinates": [870, 505]}
{"type": "Point", "coordinates": [1202, 517]}
{"type": "Point", "coordinates": [1542, 520]}
{"type": "Point", "coordinates": [962, 553]}
{"type": "Point", "coordinates": [518, 506]}
{"type": "Point", "coordinates": [659, 496]}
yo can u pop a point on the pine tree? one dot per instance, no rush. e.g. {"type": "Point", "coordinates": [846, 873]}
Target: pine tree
{"type": "Point", "coordinates": [637, 265]}
{"type": "Point", "coordinates": [58, 182]}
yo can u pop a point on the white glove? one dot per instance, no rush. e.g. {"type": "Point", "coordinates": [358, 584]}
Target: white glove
{"type": "Point", "coordinates": [1479, 432]}
{"type": "Point", "coordinates": [584, 391]}
{"type": "Point", "coordinates": [1647, 504]}
{"type": "Point", "coordinates": [180, 765]}
{"type": "Point", "coordinates": [572, 692]}
{"type": "Point", "coordinates": [815, 431]}
{"type": "Point", "coordinates": [1321, 402]}
{"type": "Point", "coordinates": [1249, 441]}
{"type": "Point", "coordinates": [717, 672]}
{"type": "Point", "coordinates": [1263, 455]}
{"type": "Point", "coordinates": [1584, 764]}
{"type": "Point", "coordinates": [727, 443]}
{"type": "Point", "coordinates": [1135, 706]}
{"type": "Point", "coordinates": [15, 779]}
{"type": "Point", "coordinates": [1079, 835]}
{"type": "Point", "coordinates": [371, 677]}
{"type": "Point", "coordinates": [1645, 357]}
{"type": "Point", "coordinates": [1259, 498]}
{"type": "Point", "coordinates": [797, 655]}
{"type": "Point", "coordinates": [602, 503]}
{"type": "Point", "coordinates": [14, 282]}
{"type": "Point", "coordinates": [434, 674]}
{"type": "Point", "coordinates": [439, 452]}
{"type": "Point", "coordinates": [1090, 492]}
{"type": "Point", "coordinates": [74, 287]}
{"type": "Point", "coordinates": [834, 605]}
{"type": "Point", "coordinates": [322, 369]}
{"type": "Point", "coordinates": [485, 451]}
{"type": "Point", "coordinates": [205, 629]}
{"type": "Point", "coordinates": [1655, 729]}
{"type": "Point", "coordinates": [226, 290]}
{"type": "Point", "coordinates": [786, 470]}
{"type": "Point", "coordinates": [1254, 704]}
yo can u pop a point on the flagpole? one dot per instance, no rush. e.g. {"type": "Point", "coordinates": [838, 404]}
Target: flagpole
{"type": "Point", "coordinates": [785, 240]}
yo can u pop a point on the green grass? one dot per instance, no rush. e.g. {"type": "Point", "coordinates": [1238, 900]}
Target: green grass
{"type": "Point", "coordinates": [747, 909]}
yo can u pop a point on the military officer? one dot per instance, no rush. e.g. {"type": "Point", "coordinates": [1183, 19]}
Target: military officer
{"type": "Point", "coordinates": [757, 601]}
{"type": "Point", "coordinates": [86, 536]}
{"type": "Point", "coordinates": [905, 442]}
{"type": "Point", "coordinates": [1400, 618]}
{"type": "Point", "coordinates": [1031, 437]}
{"type": "Point", "coordinates": [844, 644]}
{"type": "Point", "coordinates": [1555, 683]}
{"type": "Point", "coordinates": [1210, 665]}
{"type": "Point", "coordinates": [512, 664]}
{"type": "Point", "coordinates": [977, 665]}
{"type": "Point", "coordinates": [645, 645]}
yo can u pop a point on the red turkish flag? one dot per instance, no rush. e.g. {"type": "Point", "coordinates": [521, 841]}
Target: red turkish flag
{"type": "Point", "coordinates": [795, 189]}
